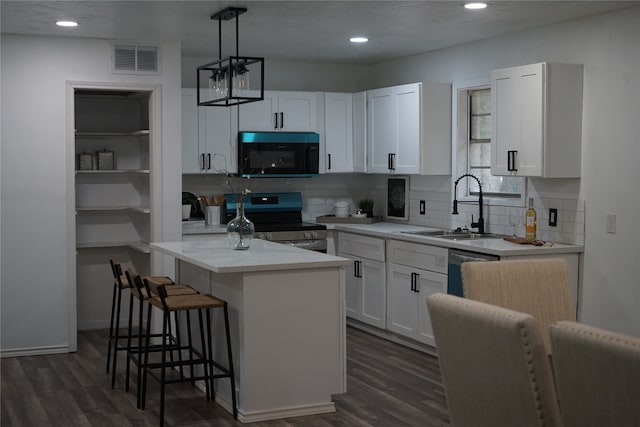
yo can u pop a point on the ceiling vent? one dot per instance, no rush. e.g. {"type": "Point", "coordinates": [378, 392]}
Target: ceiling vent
{"type": "Point", "coordinates": [133, 58]}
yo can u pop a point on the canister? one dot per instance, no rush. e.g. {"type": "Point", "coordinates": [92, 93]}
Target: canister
{"type": "Point", "coordinates": [106, 160]}
{"type": "Point", "coordinates": [85, 161]}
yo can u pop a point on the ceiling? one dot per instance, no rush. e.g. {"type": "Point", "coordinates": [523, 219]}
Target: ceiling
{"type": "Point", "coordinates": [306, 30]}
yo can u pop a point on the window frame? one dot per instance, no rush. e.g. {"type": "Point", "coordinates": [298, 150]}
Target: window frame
{"type": "Point", "coordinates": [459, 153]}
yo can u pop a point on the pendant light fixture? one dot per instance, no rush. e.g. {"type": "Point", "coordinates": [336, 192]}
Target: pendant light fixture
{"type": "Point", "coordinates": [232, 80]}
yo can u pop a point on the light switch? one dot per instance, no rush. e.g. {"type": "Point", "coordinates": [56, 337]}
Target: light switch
{"type": "Point", "coordinates": [611, 223]}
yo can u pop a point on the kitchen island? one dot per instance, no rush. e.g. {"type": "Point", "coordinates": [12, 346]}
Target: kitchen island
{"type": "Point", "coordinates": [287, 316]}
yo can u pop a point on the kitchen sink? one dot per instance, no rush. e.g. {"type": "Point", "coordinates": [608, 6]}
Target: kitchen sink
{"type": "Point", "coordinates": [427, 233]}
{"type": "Point", "coordinates": [453, 235]}
{"type": "Point", "coordinates": [467, 236]}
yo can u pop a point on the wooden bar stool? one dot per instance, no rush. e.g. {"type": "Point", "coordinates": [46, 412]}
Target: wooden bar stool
{"type": "Point", "coordinates": [123, 282]}
{"type": "Point", "coordinates": [184, 304]}
{"type": "Point", "coordinates": [142, 293]}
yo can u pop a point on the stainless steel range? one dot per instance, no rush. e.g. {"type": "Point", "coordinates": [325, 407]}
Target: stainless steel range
{"type": "Point", "coordinates": [278, 218]}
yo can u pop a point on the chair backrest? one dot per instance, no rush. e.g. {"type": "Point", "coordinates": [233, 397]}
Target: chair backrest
{"type": "Point", "coordinates": [536, 287]}
{"type": "Point", "coordinates": [493, 363]}
{"type": "Point", "coordinates": [597, 375]}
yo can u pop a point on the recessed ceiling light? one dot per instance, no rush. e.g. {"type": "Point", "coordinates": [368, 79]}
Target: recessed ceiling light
{"type": "Point", "coordinates": [66, 24]}
{"type": "Point", "coordinates": [358, 39]}
{"type": "Point", "coordinates": [475, 5]}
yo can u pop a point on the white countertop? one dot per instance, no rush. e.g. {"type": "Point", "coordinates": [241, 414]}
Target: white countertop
{"type": "Point", "coordinates": [493, 246]}
{"type": "Point", "coordinates": [199, 227]}
{"type": "Point", "coordinates": [216, 255]}
{"type": "Point", "coordinates": [392, 230]}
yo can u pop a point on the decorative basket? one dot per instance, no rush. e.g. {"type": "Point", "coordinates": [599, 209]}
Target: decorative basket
{"type": "Point", "coordinates": [85, 161]}
{"type": "Point", "coordinates": [106, 160]}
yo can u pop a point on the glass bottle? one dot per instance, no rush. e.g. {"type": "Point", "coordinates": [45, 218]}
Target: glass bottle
{"type": "Point", "coordinates": [530, 222]}
{"type": "Point", "coordinates": [240, 230]}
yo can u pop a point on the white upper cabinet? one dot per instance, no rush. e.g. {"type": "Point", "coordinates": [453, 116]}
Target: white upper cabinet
{"type": "Point", "coordinates": [207, 143]}
{"type": "Point", "coordinates": [338, 128]}
{"type": "Point", "coordinates": [537, 120]}
{"type": "Point", "coordinates": [281, 111]}
{"type": "Point", "coordinates": [409, 129]}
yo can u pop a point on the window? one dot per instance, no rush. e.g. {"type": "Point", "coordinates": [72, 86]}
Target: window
{"type": "Point", "coordinates": [473, 120]}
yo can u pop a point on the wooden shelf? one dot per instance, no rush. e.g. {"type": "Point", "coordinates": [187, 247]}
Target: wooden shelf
{"type": "Point", "coordinates": [138, 209]}
{"type": "Point", "coordinates": [136, 133]}
{"type": "Point", "coordinates": [114, 171]}
{"type": "Point", "coordinates": [137, 246]}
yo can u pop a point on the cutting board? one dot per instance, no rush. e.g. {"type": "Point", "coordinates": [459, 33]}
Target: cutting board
{"type": "Point", "coordinates": [331, 219]}
{"type": "Point", "coordinates": [523, 241]}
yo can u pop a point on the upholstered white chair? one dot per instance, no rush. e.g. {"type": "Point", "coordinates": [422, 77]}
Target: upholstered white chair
{"type": "Point", "coordinates": [536, 287]}
{"type": "Point", "coordinates": [494, 365]}
{"type": "Point", "coordinates": [597, 375]}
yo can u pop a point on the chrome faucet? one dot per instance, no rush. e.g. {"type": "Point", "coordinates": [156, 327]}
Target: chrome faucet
{"type": "Point", "coordinates": [480, 224]}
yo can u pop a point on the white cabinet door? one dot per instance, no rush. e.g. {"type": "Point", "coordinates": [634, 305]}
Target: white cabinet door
{"type": "Point", "coordinates": [401, 301]}
{"type": "Point", "coordinates": [517, 104]}
{"type": "Point", "coordinates": [218, 153]}
{"type": "Point", "coordinates": [366, 291]}
{"type": "Point", "coordinates": [260, 116]}
{"type": "Point", "coordinates": [408, 289]}
{"type": "Point", "coordinates": [280, 111]}
{"type": "Point", "coordinates": [429, 283]}
{"type": "Point", "coordinates": [353, 289]}
{"type": "Point", "coordinates": [359, 132]}
{"type": "Point", "coordinates": [338, 115]}
{"type": "Point", "coordinates": [297, 111]}
{"type": "Point", "coordinates": [374, 298]}
{"type": "Point", "coordinates": [381, 129]}
{"type": "Point", "coordinates": [407, 114]}
{"type": "Point", "coordinates": [537, 120]}
{"type": "Point", "coordinates": [207, 143]}
{"type": "Point", "coordinates": [191, 159]}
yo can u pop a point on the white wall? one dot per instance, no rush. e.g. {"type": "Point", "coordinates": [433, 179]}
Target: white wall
{"type": "Point", "coordinates": [607, 45]}
{"type": "Point", "coordinates": [35, 277]}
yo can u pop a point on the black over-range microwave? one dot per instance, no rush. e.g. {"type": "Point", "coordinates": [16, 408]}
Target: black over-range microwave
{"type": "Point", "coordinates": [278, 154]}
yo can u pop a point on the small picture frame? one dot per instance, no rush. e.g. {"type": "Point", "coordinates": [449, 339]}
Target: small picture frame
{"type": "Point", "coordinates": [398, 197]}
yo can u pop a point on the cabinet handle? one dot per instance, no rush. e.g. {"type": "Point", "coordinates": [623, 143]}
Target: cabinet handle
{"type": "Point", "coordinates": [416, 280]}
{"type": "Point", "coordinates": [202, 161]}
{"type": "Point", "coordinates": [281, 120]}
{"type": "Point", "coordinates": [329, 161]}
{"type": "Point", "coordinates": [275, 116]}
{"type": "Point", "coordinates": [391, 161]}
{"type": "Point", "coordinates": [413, 289]}
{"type": "Point", "coordinates": [208, 161]}
{"type": "Point", "coordinates": [511, 160]}
{"type": "Point", "coordinates": [356, 269]}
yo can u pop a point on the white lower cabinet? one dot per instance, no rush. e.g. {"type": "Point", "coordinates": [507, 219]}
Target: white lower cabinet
{"type": "Point", "coordinates": [365, 278]}
{"type": "Point", "coordinates": [414, 272]}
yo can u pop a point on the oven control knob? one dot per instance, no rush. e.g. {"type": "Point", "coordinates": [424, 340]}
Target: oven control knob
{"type": "Point", "coordinates": [314, 234]}
{"type": "Point", "coordinates": [269, 236]}
{"type": "Point", "coordinates": [259, 236]}
{"type": "Point", "coordinates": [307, 235]}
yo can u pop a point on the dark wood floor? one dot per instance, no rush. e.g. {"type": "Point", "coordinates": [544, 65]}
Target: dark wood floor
{"type": "Point", "coordinates": [388, 385]}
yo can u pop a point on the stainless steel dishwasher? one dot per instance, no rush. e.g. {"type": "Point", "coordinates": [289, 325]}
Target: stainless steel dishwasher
{"type": "Point", "coordinates": [456, 258]}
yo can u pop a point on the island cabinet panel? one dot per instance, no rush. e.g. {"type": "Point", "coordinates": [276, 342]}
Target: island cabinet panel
{"type": "Point", "coordinates": [414, 272]}
{"type": "Point", "coordinates": [287, 323]}
{"type": "Point", "coordinates": [365, 278]}
{"type": "Point", "coordinates": [537, 120]}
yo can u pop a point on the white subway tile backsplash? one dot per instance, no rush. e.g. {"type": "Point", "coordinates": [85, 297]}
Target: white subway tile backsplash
{"type": "Point", "coordinates": [320, 194]}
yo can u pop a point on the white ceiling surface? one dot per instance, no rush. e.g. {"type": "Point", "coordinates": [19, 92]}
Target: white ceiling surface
{"type": "Point", "coordinates": [302, 30]}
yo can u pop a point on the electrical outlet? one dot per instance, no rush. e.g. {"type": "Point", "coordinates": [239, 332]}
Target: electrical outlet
{"type": "Point", "coordinates": [611, 223]}
{"type": "Point", "coordinates": [553, 217]}
{"type": "Point", "coordinates": [422, 207]}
